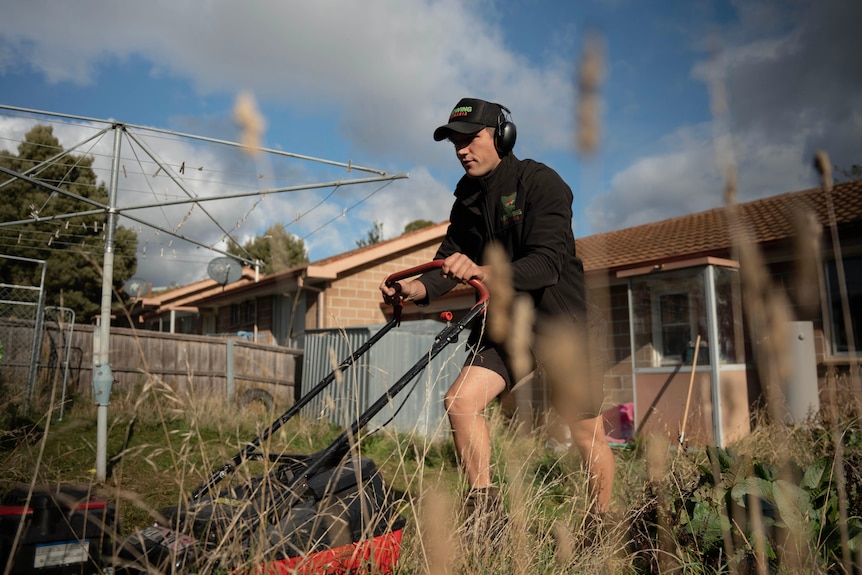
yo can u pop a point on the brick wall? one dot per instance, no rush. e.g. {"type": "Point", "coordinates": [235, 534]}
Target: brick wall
{"type": "Point", "coordinates": [619, 385]}
{"type": "Point", "coordinates": [355, 299]}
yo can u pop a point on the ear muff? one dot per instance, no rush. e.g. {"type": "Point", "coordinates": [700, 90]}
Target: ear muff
{"type": "Point", "coordinates": [505, 133]}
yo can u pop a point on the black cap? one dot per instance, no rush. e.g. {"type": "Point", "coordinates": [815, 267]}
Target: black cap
{"type": "Point", "coordinates": [469, 116]}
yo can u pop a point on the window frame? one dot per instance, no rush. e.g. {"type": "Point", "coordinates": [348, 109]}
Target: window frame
{"type": "Point", "coordinates": [834, 307]}
{"type": "Point", "coordinates": [659, 327]}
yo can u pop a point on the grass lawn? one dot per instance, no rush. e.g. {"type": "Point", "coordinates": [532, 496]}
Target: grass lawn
{"type": "Point", "coordinates": [774, 502]}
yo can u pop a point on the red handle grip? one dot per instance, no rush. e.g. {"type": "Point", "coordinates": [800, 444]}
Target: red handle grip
{"type": "Point", "coordinates": [478, 285]}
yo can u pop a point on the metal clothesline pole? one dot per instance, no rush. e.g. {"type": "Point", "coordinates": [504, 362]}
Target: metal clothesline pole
{"type": "Point", "coordinates": [102, 375]}
{"type": "Point", "coordinates": [103, 379]}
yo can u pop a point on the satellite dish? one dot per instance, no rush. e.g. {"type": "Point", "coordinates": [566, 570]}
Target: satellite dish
{"type": "Point", "coordinates": [224, 270]}
{"type": "Point", "coordinates": [137, 288]}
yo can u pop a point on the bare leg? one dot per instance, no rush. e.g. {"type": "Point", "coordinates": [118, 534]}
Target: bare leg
{"type": "Point", "coordinates": [588, 437]}
{"type": "Point", "coordinates": [465, 402]}
{"type": "Point", "coordinates": [575, 385]}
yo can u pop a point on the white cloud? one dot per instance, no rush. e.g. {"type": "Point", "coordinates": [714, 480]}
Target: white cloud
{"type": "Point", "coordinates": [790, 87]}
{"type": "Point", "coordinates": [691, 177]}
{"type": "Point", "coordinates": [154, 197]}
{"type": "Point", "coordinates": [390, 71]}
{"type": "Point", "coordinates": [420, 197]}
{"type": "Point", "coordinates": [393, 69]}
{"type": "Point", "coordinates": [682, 180]}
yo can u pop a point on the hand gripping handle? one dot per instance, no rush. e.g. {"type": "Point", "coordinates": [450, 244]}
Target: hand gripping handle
{"type": "Point", "coordinates": [478, 285]}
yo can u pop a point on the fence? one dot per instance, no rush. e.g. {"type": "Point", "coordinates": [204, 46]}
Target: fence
{"type": "Point", "coordinates": [26, 303]}
{"type": "Point", "coordinates": [196, 366]}
{"type": "Point", "coordinates": [56, 348]}
{"type": "Point", "coordinates": [418, 409]}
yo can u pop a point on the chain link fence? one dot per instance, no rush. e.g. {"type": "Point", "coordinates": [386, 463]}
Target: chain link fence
{"type": "Point", "coordinates": [55, 352]}
{"type": "Point", "coordinates": [22, 312]}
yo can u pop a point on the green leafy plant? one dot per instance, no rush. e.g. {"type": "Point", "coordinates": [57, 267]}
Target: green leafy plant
{"type": "Point", "coordinates": [717, 516]}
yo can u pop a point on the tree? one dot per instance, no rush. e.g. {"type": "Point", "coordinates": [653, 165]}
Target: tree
{"type": "Point", "coordinates": [848, 175]}
{"type": "Point", "coordinates": [373, 236]}
{"type": "Point", "coordinates": [277, 249]}
{"type": "Point", "coordinates": [417, 225]}
{"type": "Point", "coordinates": [72, 248]}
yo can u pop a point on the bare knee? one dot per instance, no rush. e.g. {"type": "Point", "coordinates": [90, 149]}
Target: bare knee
{"type": "Point", "coordinates": [473, 391]}
{"type": "Point", "coordinates": [588, 435]}
{"type": "Point", "coordinates": [454, 400]}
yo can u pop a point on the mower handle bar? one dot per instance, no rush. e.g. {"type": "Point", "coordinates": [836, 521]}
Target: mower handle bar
{"type": "Point", "coordinates": [478, 285]}
{"type": "Point", "coordinates": [248, 452]}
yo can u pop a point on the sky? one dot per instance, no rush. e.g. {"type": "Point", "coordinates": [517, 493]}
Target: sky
{"type": "Point", "coordinates": [688, 89]}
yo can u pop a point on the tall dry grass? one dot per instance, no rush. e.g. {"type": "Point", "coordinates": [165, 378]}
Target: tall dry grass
{"type": "Point", "coordinates": [162, 445]}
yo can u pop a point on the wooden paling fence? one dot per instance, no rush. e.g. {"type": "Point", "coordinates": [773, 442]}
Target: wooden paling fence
{"type": "Point", "coordinates": [192, 365]}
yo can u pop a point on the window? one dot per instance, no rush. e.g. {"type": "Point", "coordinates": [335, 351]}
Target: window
{"type": "Point", "coordinates": [244, 313]}
{"type": "Point", "coordinates": [185, 324]}
{"type": "Point", "coordinates": [728, 311]}
{"type": "Point", "coordinates": [853, 289]}
{"type": "Point", "coordinates": [674, 326]}
{"type": "Point", "coordinates": [670, 311]}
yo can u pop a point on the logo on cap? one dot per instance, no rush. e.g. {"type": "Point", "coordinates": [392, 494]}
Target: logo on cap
{"type": "Point", "coordinates": [460, 112]}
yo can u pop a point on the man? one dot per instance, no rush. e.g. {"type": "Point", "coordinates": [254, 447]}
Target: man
{"type": "Point", "coordinates": [526, 208]}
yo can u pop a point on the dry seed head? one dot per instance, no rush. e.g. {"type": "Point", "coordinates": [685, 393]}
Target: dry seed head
{"type": "Point", "coordinates": [590, 76]}
{"type": "Point", "coordinates": [502, 294]}
{"type": "Point", "coordinates": [768, 312]}
{"type": "Point", "coordinates": [251, 123]}
{"type": "Point", "coordinates": [435, 513]}
{"type": "Point", "coordinates": [730, 187]}
{"type": "Point", "coordinates": [333, 362]}
{"type": "Point", "coordinates": [592, 65]}
{"type": "Point", "coordinates": [565, 547]}
{"type": "Point", "coordinates": [808, 240]}
{"type": "Point", "coordinates": [656, 458]}
{"type": "Point", "coordinates": [588, 132]}
{"type": "Point", "coordinates": [520, 341]}
{"type": "Point", "coordinates": [562, 351]}
{"type": "Point", "coordinates": [821, 162]}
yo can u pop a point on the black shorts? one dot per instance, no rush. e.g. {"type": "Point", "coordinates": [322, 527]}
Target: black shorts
{"type": "Point", "coordinates": [489, 355]}
{"type": "Point", "coordinates": [581, 396]}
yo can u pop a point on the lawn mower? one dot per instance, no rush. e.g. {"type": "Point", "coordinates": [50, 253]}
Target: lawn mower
{"type": "Point", "coordinates": [326, 512]}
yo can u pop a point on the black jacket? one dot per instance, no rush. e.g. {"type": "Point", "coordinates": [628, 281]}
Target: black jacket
{"type": "Point", "coordinates": [526, 207]}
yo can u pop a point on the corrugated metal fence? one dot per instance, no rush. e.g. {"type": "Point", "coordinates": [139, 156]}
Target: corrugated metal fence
{"type": "Point", "coordinates": [417, 409]}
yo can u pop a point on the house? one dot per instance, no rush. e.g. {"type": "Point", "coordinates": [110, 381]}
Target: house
{"type": "Point", "coordinates": [669, 297]}
{"type": "Point", "coordinates": [176, 310]}
{"type": "Point", "coordinates": [656, 283]}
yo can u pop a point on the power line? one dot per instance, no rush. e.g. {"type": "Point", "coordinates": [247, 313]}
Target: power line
{"type": "Point", "coordinates": [345, 211]}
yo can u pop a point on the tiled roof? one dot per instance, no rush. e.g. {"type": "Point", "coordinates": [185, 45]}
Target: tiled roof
{"type": "Point", "coordinates": [192, 292]}
{"type": "Point", "coordinates": [707, 233]}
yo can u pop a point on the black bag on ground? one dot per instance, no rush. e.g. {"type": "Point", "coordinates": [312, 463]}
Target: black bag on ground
{"type": "Point", "coordinates": [63, 530]}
